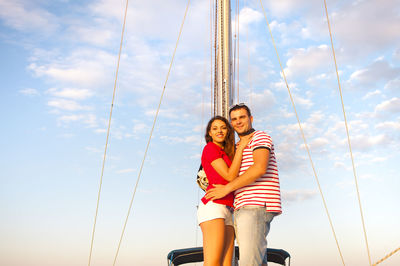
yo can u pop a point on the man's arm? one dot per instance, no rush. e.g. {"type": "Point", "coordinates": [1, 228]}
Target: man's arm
{"type": "Point", "coordinates": [260, 158]}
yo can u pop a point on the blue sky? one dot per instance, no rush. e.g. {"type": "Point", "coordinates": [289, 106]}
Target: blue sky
{"type": "Point", "coordinates": [58, 63]}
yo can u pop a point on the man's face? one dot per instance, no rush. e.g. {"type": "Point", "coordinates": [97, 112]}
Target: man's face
{"type": "Point", "coordinates": [240, 120]}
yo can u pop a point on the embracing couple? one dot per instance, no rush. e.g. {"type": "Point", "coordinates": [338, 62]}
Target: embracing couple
{"type": "Point", "coordinates": [243, 177]}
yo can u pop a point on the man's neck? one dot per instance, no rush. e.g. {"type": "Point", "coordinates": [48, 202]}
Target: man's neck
{"type": "Point", "coordinates": [251, 130]}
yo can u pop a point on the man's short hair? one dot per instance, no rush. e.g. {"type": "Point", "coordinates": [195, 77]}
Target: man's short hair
{"type": "Point", "coordinates": [239, 106]}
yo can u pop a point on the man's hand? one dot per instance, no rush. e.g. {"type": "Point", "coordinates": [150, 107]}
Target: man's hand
{"type": "Point", "coordinates": [219, 191]}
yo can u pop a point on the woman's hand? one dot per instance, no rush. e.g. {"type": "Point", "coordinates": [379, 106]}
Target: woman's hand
{"type": "Point", "coordinates": [242, 143]}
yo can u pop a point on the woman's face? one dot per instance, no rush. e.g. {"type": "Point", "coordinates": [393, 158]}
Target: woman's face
{"type": "Point", "coordinates": [218, 132]}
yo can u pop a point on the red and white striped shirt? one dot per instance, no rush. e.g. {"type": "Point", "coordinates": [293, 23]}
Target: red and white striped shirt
{"type": "Point", "coordinates": [265, 191]}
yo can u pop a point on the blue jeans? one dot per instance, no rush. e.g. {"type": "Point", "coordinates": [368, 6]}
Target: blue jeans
{"type": "Point", "coordinates": [252, 224]}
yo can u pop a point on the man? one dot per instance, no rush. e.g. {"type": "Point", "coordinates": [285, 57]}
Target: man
{"type": "Point", "coordinates": [257, 190]}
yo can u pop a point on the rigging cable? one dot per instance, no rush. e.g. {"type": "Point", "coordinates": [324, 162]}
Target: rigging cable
{"type": "Point", "coordinates": [201, 149]}
{"type": "Point", "coordinates": [211, 54]}
{"type": "Point", "coordinates": [386, 257]}
{"type": "Point", "coordinates": [108, 134]}
{"type": "Point", "coordinates": [222, 52]}
{"type": "Point", "coordinates": [233, 79]}
{"type": "Point", "coordinates": [248, 62]}
{"type": "Point", "coordinates": [151, 133]}
{"type": "Point", "coordinates": [202, 106]}
{"type": "Point", "coordinates": [348, 136]}
{"type": "Point", "coordinates": [238, 38]}
{"type": "Point", "coordinates": [215, 57]}
{"type": "Point", "coordinates": [302, 134]}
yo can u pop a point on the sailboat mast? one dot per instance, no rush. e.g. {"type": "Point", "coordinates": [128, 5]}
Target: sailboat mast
{"type": "Point", "coordinates": [223, 96]}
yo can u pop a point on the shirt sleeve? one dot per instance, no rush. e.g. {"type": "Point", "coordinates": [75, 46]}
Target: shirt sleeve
{"type": "Point", "coordinates": [261, 140]}
{"type": "Point", "coordinates": [210, 153]}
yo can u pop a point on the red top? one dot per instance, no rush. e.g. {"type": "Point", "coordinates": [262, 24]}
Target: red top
{"type": "Point", "coordinates": [211, 152]}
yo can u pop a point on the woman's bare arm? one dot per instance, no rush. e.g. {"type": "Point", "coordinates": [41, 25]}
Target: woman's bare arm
{"type": "Point", "coordinates": [230, 173]}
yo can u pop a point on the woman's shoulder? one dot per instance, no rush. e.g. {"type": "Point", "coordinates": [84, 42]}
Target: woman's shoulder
{"type": "Point", "coordinates": [212, 150]}
{"type": "Point", "coordinates": [211, 147]}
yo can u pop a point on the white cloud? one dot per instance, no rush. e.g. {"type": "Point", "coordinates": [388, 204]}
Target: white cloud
{"type": "Point", "coordinates": [93, 149]}
{"type": "Point", "coordinates": [29, 92]}
{"type": "Point", "coordinates": [247, 17]}
{"type": "Point", "coordinates": [305, 33]}
{"type": "Point", "coordinates": [65, 105]}
{"type": "Point", "coordinates": [70, 93]}
{"type": "Point", "coordinates": [353, 23]}
{"type": "Point", "coordinates": [346, 184]}
{"type": "Point", "coordinates": [365, 142]}
{"type": "Point", "coordinates": [89, 68]}
{"type": "Point", "coordinates": [287, 32]}
{"type": "Point", "coordinates": [319, 143]}
{"type": "Point", "coordinates": [280, 85]}
{"type": "Point", "coordinates": [358, 126]}
{"type": "Point", "coordinates": [288, 129]}
{"type": "Point", "coordinates": [388, 125]}
{"type": "Point", "coordinates": [393, 85]}
{"type": "Point", "coordinates": [87, 73]}
{"type": "Point", "coordinates": [166, 112]}
{"type": "Point", "coordinates": [289, 157]}
{"type": "Point", "coordinates": [362, 137]}
{"type": "Point", "coordinates": [100, 130]}
{"type": "Point", "coordinates": [262, 101]}
{"type": "Point", "coordinates": [88, 120]}
{"type": "Point", "coordinates": [200, 128]}
{"type": "Point", "coordinates": [300, 100]}
{"type": "Point", "coordinates": [353, 26]}
{"type": "Point", "coordinates": [380, 70]}
{"type": "Point", "coordinates": [372, 94]}
{"type": "Point", "coordinates": [342, 165]}
{"type": "Point", "coordinates": [316, 118]}
{"type": "Point", "coordinates": [25, 16]}
{"type": "Point", "coordinates": [108, 9]}
{"type": "Point", "coordinates": [70, 118]}
{"type": "Point", "coordinates": [396, 54]}
{"type": "Point", "coordinates": [139, 127]}
{"type": "Point", "coordinates": [67, 135]}
{"type": "Point", "coordinates": [304, 61]}
{"type": "Point", "coordinates": [298, 195]}
{"type": "Point", "coordinates": [98, 35]}
{"type": "Point", "coordinates": [160, 22]}
{"type": "Point", "coordinates": [195, 156]}
{"type": "Point", "coordinates": [318, 80]}
{"type": "Point", "coordinates": [194, 139]}
{"type": "Point", "coordinates": [392, 106]}
{"type": "Point", "coordinates": [313, 126]}
{"type": "Point", "coordinates": [379, 159]}
{"type": "Point", "coordinates": [285, 113]}
{"type": "Point", "coordinates": [124, 171]}
{"type": "Point", "coordinates": [280, 8]}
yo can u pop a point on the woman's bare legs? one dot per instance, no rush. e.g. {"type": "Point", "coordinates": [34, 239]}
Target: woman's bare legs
{"type": "Point", "coordinates": [228, 245]}
{"type": "Point", "coordinates": [213, 241]}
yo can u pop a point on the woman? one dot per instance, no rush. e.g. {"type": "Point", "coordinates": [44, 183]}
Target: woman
{"type": "Point", "coordinates": [221, 164]}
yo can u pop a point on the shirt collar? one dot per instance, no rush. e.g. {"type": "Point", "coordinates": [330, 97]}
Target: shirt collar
{"type": "Point", "coordinates": [248, 132]}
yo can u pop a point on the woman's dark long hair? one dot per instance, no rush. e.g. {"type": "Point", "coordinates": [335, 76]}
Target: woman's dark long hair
{"type": "Point", "coordinates": [229, 142]}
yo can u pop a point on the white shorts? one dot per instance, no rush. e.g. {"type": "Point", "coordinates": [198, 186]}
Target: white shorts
{"type": "Point", "coordinates": [212, 210]}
